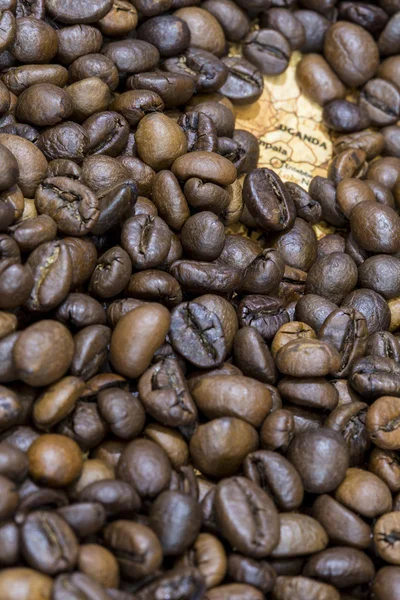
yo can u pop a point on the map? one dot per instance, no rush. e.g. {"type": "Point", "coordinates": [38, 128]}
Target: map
{"type": "Point", "coordinates": [293, 140]}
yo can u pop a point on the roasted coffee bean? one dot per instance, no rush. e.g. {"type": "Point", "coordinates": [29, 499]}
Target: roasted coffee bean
{"type": "Point", "coordinates": [282, 20]}
{"type": "Point", "coordinates": [370, 142]}
{"type": "Point", "coordinates": [268, 50]}
{"type": "Point", "coordinates": [385, 582]}
{"type": "Point", "coordinates": [315, 27]}
{"type": "Point", "coordinates": [266, 314]}
{"type": "Point", "coordinates": [332, 277]}
{"type": "Point", "coordinates": [364, 493]}
{"type": "Point", "coordinates": [372, 305]}
{"type": "Point", "coordinates": [318, 81]}
{"type": "Point", "coordinates": [205, 31]}
{"type": "Point", "coordinates": [361, 570]}
{"type": "Point", "coordinates": [238, 495]}
{"type": "Point", "coordinates": [385, 537]}
{"type": "Point", "coordinates": [233, 20]}
{"type": "Point", "coordinates": [147, 240]}
{"type": "Point", "coordinates": [181, 510]}
{"type": "Point", "coordinates": [341, 524]}
{"type": "Point", "coordinates": [268, 201]}
{"type": "Point", "coordinates": [35, 41]}
{"type": "Point", "coordinates": [208, 72]}
{"type": "Point", "coordinates": [294, 541]}
{"type": "Point", "coordinates": [346, 117]}
{"type": "Point", "coordinates": [329, 449]}
{"type": "Point", "coordinates": [201, 333]}
{"type": "Point", "coordinates": [164, 394]}
{"type": "Point", "coordinates": [169, 34]}
{"type": "Point", "coordinates": [132, 56]}
{"type": "Point", "coordinates": [136, 547]}
{"type": "Point", "coordinates": [20, 583]}
{"type": "Point", "coordinates": [352, 52]}
{"type": "Point", "coordinates": [52, 355]}
{"type": "Point", "coordinates": [253, 356]}
{"type": "Point", "coordinates": [214, 451]}
{"type": "Point", "coordinates": [59, 546]}
{"type": "Point", "coordinates": [73, 206]}
{"type": "Point", "coordinates": [51, 268]}
{"type": "Point", "coordinates": [94, 65]}
{"type": "Point", "coordinates": [381, 422]}
{"type": "Point", "coordinates": [244, 84]}
{"type": "Point", "coordinates": [388, 40]}
{"type": "Point", "coordinates": [54, 460]}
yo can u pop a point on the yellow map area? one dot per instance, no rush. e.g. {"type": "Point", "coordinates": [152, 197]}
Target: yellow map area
{"type": "Point", "coordinates": [293, 140]}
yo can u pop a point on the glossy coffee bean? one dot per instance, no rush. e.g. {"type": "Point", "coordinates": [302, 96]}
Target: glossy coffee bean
{"type": "Point", "coordinates": [214, 451]}
{"type": "Point", "coordinates": [58, 543]}
{"type": "Point", "coordinates": [345, 40]}
{"type": "Point", "coordinates": [313, 445]}
{"type": "Point", "coordinates": [259, 514]}
{"type": "Point", "coordinates": [268, 50]}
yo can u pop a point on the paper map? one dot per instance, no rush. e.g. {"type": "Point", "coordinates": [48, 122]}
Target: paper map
{"type": "Point", "coordinates": [293, 140]}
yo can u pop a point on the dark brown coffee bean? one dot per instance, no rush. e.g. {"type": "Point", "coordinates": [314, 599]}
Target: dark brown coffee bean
{"type": "Point", "coordinates": [214, 451]}
{"type": "Point", "coordinates": [381, 100]}
{"type": "Point", "coordinates": [205, 31]}
{"type": "Point", "coordinates": [80, 310]}
{"type": "Point", "coordinates": [352, 492]}
{"type": "Point", "coordinates": [282, 20]}
{"type": "Point", "coordinates": [244, 84]}
{"type": "Point", "coordinates": [326, 447]}
{"type": "Point", "coordinates": [315, 27]}
{"type": "Point", "coordinates": [169, 34]}
{"type": "Point", "coordinates": [346, 117]}
{"type": "Point", "coordinates": [147, 241]}
{"type": "Point", "coordinates": [107, 133]}
{"type": "Point", "coordinates": [137, 336]}
{"type": "Point", "coordinates": [352, 53]}
{"type": "Point", "coordinates": [35, 41]}
{"type": "Point", "coordinates": [173, 88]}
{"type": "Point", "coordinates": [381, 235]}
{"type": "Point", "coordinates": [268, 201]}
{"type": "Point", "coordinates": [207, 71]}
{"type": "Point", "coordinates": [59, 546]}
{"type": "Point", "coordinates": [51, 267]}
{"type": "Point", "coordinates": [121, 20]}
{"type": "Point", "coordinates": [94, 65]}
{"type": "Point", "coordinates": [73, 206]}
{"type": "Point", "coordinates": [134, 463]}
{"type": "Point", "coordinates": [77, 585]}
{"type": "Point", "coordinates": [342, 525]}
{"type": "Point", "coordinates": [111, 273]}
{"type": "Point", "coordinates": [317, 80]}
{"type": "Point", "coordinates": [85, 519]}
{"type": "Point", "coordinates": [240, 496]}
{"type": "Point", "coordinates": [76, 41]}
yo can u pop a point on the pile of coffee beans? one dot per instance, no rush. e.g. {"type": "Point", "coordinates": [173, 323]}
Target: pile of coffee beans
{"type": "Point", "coordinates": [188, 412]}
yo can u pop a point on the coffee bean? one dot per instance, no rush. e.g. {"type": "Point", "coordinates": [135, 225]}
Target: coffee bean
{"type": "Point", "coordinates": [54, 460]}
{"type": "Point", "coordinates": [59, 546]}
{"type": "Point", "coordinates": [205, 31]}
{"type": "Point", "coordinates": [361, 570]}
{"type": "Point", "coordinates": [18, 583]}
{"type": "Point", "coordinates": [268, 50]}
{"type": "Point", "coordinates": [341, 524]}
{"type": "Point", "coordinates": [352, 52]}
{"type": "Point", "coordinates": [268, 201]}
{"type": "Point", "coordinates": [244, 84]}
{"type": "Point", "coordinates": [136, 547]}
{"type": "Point", "coordinates": [352, 493]}
{"type": "Point", "coordinates": [219, 447]}
{"type": "Point", "coordinates": [299, 535]}
{"type": "Point", "coordinates": [238, 495]}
